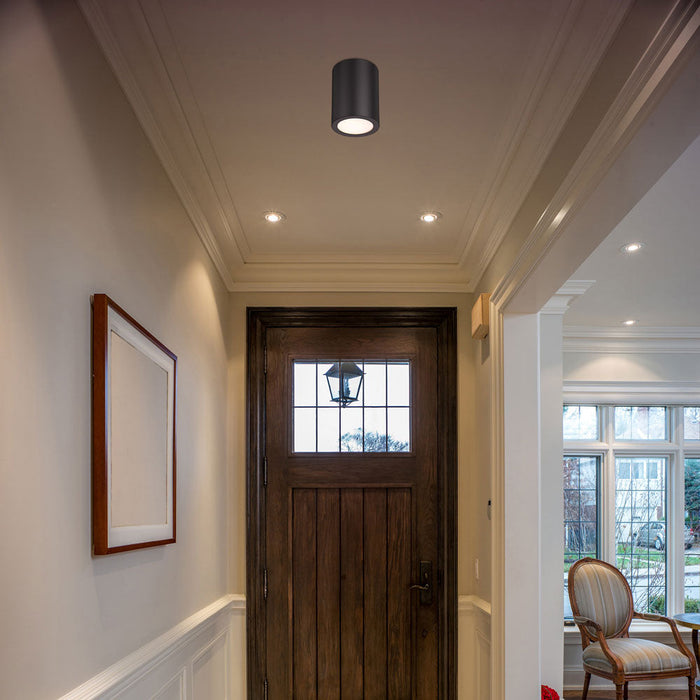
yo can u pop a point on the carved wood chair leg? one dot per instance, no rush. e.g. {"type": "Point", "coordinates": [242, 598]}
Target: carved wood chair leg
{"type": "Point", "coordinates": [691, 688]}
{"type": "Point", "coordinates": [586, 682]}
{"type": "Point", "coordinates": [626, 690]}
{"type": "Point", "coordinates": [620, 691]}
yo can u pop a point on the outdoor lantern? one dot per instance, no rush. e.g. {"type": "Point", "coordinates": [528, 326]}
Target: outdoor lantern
{"type": "Point", "coordinates": [355, 108]}
{"type": "Point", "coordinates": [344, 382]}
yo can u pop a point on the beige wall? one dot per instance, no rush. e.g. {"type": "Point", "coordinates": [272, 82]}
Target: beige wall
{"type": "Point", "coordinates": [84, 208]}
{"type": "Point", "coordinates": [466, 448]}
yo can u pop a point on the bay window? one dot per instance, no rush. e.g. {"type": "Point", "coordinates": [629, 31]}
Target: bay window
{"type": "Point", "coordinates": [632, 498]}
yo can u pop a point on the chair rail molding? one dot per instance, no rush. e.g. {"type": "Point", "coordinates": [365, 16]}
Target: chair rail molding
{"type": "Point", "coordinates": [205, 644]}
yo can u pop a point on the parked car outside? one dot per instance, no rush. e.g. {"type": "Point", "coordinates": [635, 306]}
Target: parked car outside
{"type": "Point", "coordinates": [654, 535]}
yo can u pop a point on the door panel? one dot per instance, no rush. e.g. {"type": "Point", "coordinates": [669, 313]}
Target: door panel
{"type": "Point", "coordinates": [344, 533]}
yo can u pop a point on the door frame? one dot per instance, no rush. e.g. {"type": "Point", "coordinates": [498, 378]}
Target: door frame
{"type": "Point", "coordinates": [444, 320]}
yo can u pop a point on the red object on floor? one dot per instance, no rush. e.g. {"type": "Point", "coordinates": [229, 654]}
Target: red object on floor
{"type": "Point", "coordinates": [549, 693]}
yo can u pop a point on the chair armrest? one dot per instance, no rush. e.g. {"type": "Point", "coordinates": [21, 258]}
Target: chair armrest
{"type": "Point", "coordinates": [615, 661]}
{"type": "Point", "coordinates": [674, 629]}
{"type": "Point", "coordinates": [587, 622]}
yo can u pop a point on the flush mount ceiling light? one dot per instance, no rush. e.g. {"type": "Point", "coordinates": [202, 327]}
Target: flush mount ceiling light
{"type": "Point", "coordinates": [631, 247]}
{"type": "Point", "coordinates": [274, 217]}
{"type": "Point", "coordinates": [355, 108]}
{"type": "Point", "coordinates": [629, 322]}
{"type": "Point", "coordinates": [430, 217]}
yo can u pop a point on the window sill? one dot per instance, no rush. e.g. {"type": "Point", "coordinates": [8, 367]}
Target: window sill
{"type": "Point", "coordinates": [655, 631]}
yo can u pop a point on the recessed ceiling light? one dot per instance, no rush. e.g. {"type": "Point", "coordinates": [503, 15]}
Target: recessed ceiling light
{"type": "Point", "coordinates": [274, 217]}
{"type": "Point", "coordinates": [430, 217]}
{"type": "Point", "coordinates": [631, 247]}
{"type": "Point", "coordinates": [629, 322]}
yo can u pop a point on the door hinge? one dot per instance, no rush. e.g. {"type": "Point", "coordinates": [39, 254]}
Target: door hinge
{"type": "Point", "coordinates": [265, 689]}
{"type": "Point", "coordinates": [264, 471]}
{"type": "Point", "coordinates": [265, 584]}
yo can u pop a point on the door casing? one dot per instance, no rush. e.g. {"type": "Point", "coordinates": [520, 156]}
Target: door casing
{"type": "Point", "coordinates": [444, 320]}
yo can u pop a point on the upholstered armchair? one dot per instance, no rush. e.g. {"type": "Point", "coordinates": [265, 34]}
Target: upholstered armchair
{"type": "Point", "coordinates": [601, 601]}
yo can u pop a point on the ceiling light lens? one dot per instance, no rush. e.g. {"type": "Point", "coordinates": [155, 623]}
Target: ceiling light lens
{"type": "Point", "coordinates": [355, 126]}
{"type": "Point", "coordinates": [430, 217]}
{"type": "Point", "coordinates": [273, 217]}
{"type": "Point", "coordinates": [631, 247]}
{"type": "Point", "coordinates": [629, 322]}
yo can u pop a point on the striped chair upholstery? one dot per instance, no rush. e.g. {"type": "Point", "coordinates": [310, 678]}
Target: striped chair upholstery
{"type": "Point", "coordinates": [637, 656]}
{"type": "Point", "coordinates": [602, 596]}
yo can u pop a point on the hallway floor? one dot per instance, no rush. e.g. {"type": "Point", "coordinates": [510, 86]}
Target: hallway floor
{"type": "Point", "coordinates": [636, 694]}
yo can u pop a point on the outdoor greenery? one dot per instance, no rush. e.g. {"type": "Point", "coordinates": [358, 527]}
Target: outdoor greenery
{"type": "Point", "coordinates": [374, 442]}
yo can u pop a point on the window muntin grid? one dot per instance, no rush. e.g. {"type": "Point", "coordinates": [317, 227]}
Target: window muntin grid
{"type": "Point", "coordinates": [379, 421]}
{"type": "Point", "coordinates": [691, 422]}
{"type": "Point", "coordinates": [581, 483]}
{"type": "Point", "coordinates": [640, 528]}
{"type": "Point", "coordinates": [691, 535]}
{"type": "Point", "coordinates": [580, 422]}
{"type": "Point", "coordinates": [641, 423]}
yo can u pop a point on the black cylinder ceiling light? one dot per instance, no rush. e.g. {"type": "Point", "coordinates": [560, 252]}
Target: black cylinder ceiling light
{"type": "Point", "coordinates": [355, 110]}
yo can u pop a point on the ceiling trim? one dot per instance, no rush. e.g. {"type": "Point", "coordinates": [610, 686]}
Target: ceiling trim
{"type": "Point", "coordinates": [503, 202]}
{"type": "Point", "coordinates": [609, 340]}
{"type": "Point", "coordinates": [640, 94]}
{"type": "Point", "coordinates": [153, 77]}
{"type": "Point", "coordinates": [354, 287]}
{"type": "Point", "coordinates": [216, 235]}
{"type": "Point", "coordinates": [619, 392]}
{"type": "Point", "coordinates": [560, 302]}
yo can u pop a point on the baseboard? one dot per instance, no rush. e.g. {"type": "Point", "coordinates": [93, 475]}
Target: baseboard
{"type": "Point", "coordinates": [202, 653]}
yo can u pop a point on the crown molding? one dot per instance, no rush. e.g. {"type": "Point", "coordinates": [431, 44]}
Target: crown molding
{"type": "Point", "coordinates": [504, 201]}
{"type": "Point", "coordinates": [610, 340]}
{"type": "Point", "coordinates": [560, 302]}
{"type": "Point", "coordinates": [641, 93]}
{"type": "Point", "coordinates": [353, 287]}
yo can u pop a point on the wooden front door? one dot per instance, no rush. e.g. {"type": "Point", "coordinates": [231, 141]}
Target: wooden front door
{"type": "Point", "coordinates": [351, 535]}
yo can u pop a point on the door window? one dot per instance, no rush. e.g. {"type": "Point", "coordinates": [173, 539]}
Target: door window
{"type": "Point", "coordinates": [352, 405]}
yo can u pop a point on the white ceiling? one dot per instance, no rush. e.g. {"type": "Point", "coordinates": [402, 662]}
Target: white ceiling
{"type": "Point", "coordinates": [235, 97]}
{"type": "Point", "coordinates": [660, 284]}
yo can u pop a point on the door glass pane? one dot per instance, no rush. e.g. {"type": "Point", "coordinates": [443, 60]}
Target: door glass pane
{"type": "Point", "coordinates": [640, 529]}
{"type": "Point", "coordinates": [580, 514]}
{"type": "Point", "coordinates": [375, 384]}
{"type": "Point", "coordinates": [305, 429]}
{"type": "Point", "coordinates": [335, 410]}
{"type": "Point", "coordinates": [304, 384]}
{"type": "Point", "coordinates": [375, 430]}
{"type": "Point", "coordinates": [580, 422]}
{"type": "Point", "coordinates": [323, 393]}
{"type": "Point", "coordinates": [398, 385]}
{"type": "Point", "coordinates": [351, 434]}
{"type": "Point", "coordinates": [691, 536]}
{"type": "Point", "coordinates": [328, 430]}
{"type": "Point", "coordinates": [640, 423]}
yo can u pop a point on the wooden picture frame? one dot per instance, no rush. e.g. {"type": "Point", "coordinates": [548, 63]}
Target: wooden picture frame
{"type": "Point", "coordinates": [133, 433]}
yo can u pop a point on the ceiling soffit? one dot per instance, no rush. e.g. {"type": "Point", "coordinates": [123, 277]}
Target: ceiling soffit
{"type": "Point", "coordinates": [138, 40]}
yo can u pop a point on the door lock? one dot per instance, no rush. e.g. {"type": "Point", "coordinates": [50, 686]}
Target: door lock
{"type": "Point", "coordinates": [426, 583]}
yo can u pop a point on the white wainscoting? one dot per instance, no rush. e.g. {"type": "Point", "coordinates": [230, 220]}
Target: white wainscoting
{"type": "Point", "coordinates": [204, 657]}
{"type": "Point", "coordinates": [474, 648]}
{"type": "Point", "coordinates": [201, 658]}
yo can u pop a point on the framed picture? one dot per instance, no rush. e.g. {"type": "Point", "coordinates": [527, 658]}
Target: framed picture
{"type": "Point", "coordinates": [133, 433]}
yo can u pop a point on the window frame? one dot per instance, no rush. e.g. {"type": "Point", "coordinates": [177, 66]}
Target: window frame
{"type": "Point", "coordinates": [675, 449]}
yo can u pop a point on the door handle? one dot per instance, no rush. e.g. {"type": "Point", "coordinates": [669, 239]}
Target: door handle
{"type": "Point", "coordinates": [426, 583]}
